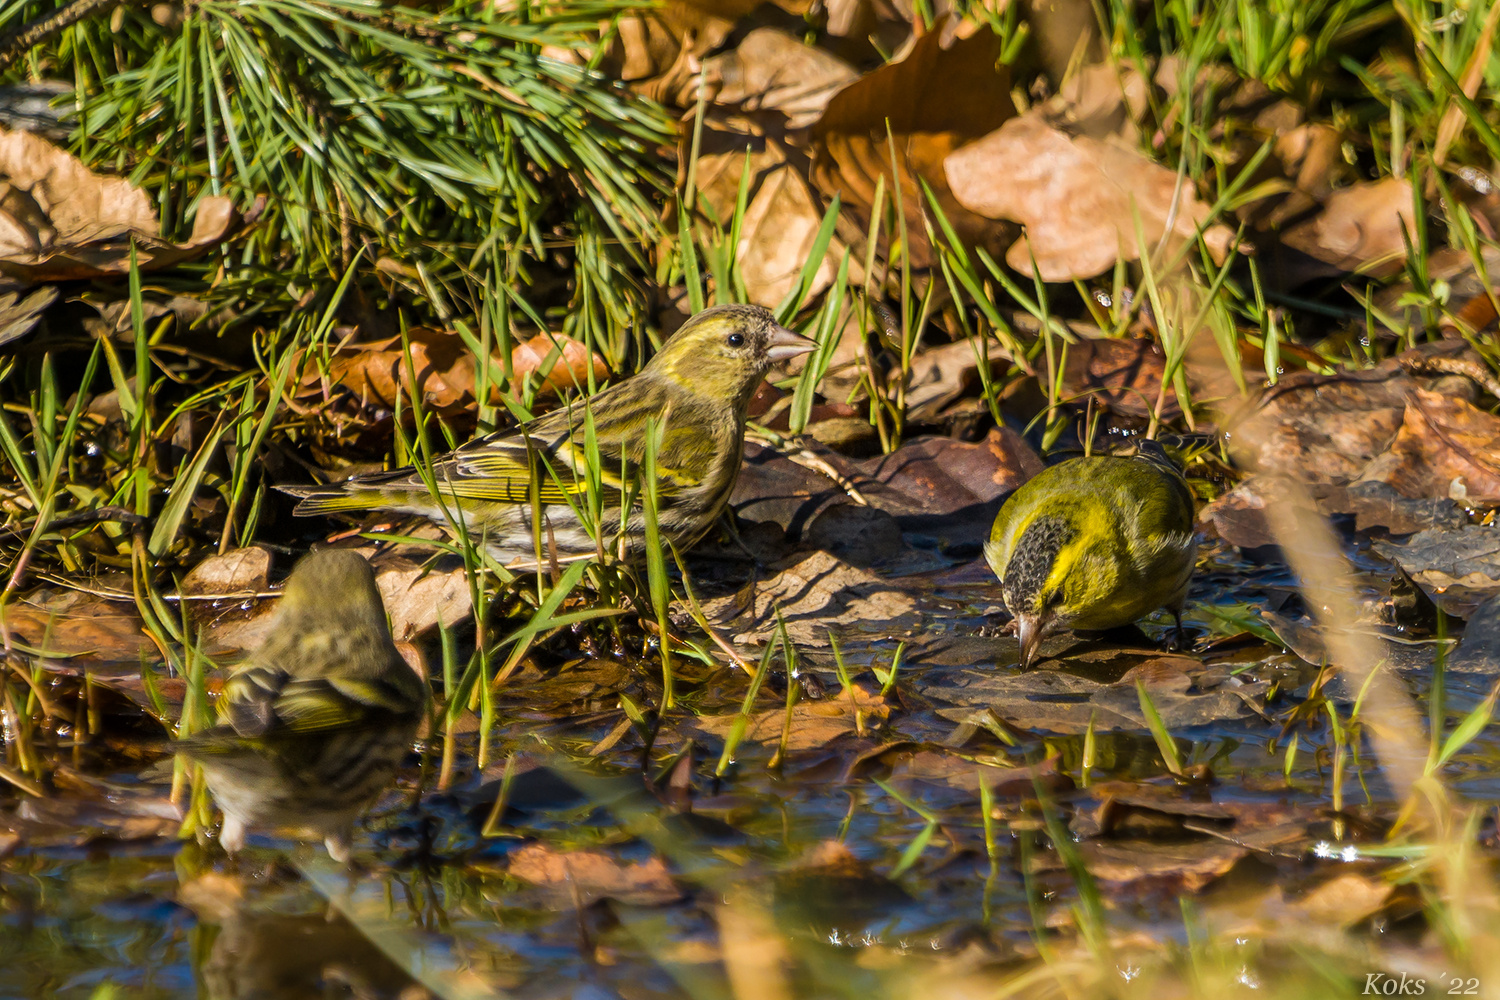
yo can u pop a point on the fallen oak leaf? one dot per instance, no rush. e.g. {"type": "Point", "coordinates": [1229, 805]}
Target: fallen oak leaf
{"type": "Point", "coordinates": [1446, 448]}
{"type": "Point", "coordinates": [915, 111]}
{"type": "Point", "coordinates": [783, 213]}
{"type": "Point", "coordinates": [559, 364]}
{"type": "Point", "coordinates": [1362, 228]}
{"type": "Point", "coordinates": [773, 70]}
{"type": "Point", "coordinates": [1077, 198]}
{"type": "Point", "coordinates": [61, 221]}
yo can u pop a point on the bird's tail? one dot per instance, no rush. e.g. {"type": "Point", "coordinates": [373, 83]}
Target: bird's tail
{"type": "Point", "coordinates": [334, 498]}
{"type": "Point", "coordinates": [395, 490]}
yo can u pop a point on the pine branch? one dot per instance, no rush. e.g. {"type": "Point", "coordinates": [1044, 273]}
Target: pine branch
{"type": "Point", "coordinates": [43, 28]}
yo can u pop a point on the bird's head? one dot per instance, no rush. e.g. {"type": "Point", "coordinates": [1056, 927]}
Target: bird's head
{"type": "Point", "coordinates": [1050, 577]}
{"type": "Point", "coordinates": [725, 351]}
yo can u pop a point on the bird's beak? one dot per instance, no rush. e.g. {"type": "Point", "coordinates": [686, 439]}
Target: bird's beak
{"type": "Point", "coordinates": [786, 344]}
{"type": "Point", "coordinates": [1029, 631]}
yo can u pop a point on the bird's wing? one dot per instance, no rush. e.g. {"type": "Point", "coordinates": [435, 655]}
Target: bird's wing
{"type": "Point", "coordinates": [248, 703]}
{"type": "Point", "coordinates": [554, 450]}
{"type": "Point", "coordinates": [324, 703]}
{"type": "Point", "coordinates": [501, 469]}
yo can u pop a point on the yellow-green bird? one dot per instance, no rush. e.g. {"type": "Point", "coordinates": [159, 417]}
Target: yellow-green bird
{"type": "Point", "coordinates": [314, 725]}
{"type": "Point", "coordinates": [1094, 543]}
{"type": "Point", "coordinates": [696, 391]}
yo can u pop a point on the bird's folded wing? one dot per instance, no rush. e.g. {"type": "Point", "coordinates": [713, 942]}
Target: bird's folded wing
{"type": "Point", "coordinates": [501, 470]}
{"type": "Point", "coordinates": [322, 704]}
{"type": "Point", "coordinates": [249, 700]}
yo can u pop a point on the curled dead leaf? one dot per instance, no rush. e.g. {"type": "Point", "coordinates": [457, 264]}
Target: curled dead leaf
{"type": "Point", "coordinates": [61, 221]}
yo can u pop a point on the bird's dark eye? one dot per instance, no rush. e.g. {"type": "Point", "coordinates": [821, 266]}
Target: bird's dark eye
{"type": "Point", "coordinates": [736, 339]}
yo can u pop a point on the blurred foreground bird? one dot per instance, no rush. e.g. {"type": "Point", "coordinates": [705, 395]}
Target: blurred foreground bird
{"type": "Point", "coordinates": [1094, 543]}
{"type": "Point", "coordinates": [696, 390]}
{"type": "Point", "coordinates": [314, 725]}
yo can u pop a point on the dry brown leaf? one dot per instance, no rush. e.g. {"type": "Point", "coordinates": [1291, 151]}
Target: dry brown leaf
{"type": "Point", "coordinates": [359, 390]}
{"type": "Point", "coordinates": [945, 92]}
{"type": "Point", "coordinates": [935, 767]}
{"type": "Point", "coordinates": [1311, 155]}
{"type": "Point", "coordinates": [72, 623]}
{"type": "Point", "coordinates": [558, 363]}
{"type": "Point", "coordinates": [1467, 557]}
{"type": "Point", "coordinates": [420, 600]}
{"type": "Point", "coordinates": [773, 70]}
{"type": "Point", "coordinates": [19, 316]}
{"type": "Point", "coordinates": [659, 51]}
{"type": "Point", "coordinates": [1122, 375]}
{"type": "Point", "coordinates": [1331, 428]}
{"type": "Point", "coordinates": [51, 197]}
{"type": "Point", "coordinates": [1240, 515]}
{"type": "Point", "coordinates": [1184, 691]}
{"type": "Point", "coordinates": [943, 375]}
{"type": "Point", "coordinates": [783, 213]}
{"type": "Point", "coordinates": [1360, 227]}
{"type": "Point", "coordinates": [926, 477]}
{"type": "Point", "coordinates": [81, 821]}
{"type": "Point", "coordinates": [1102, 99]}
{"type": "Point", "coordinates": [595, 875]}
{"type": "Point", "coordinates": [378, 372]}
{"type": "Point", "coordinates": [237, 572]}
{"type": "Point", "coordinates": [858, 27]}
{"type": "Point", "coordinates": [1321, 429]}
{"type": "Point", "coordinates": [1446, 447]}
{"type": "Point", "coordinates": [829, 885]}
{"type": "Point", "coordinates": [1190, 865]}
{"type": "Point", "coordinates": [1076, 196]}
{"type": "Point", "coordinates": [1469, 299]}
{"type": "Point", "coordinates": [59, 220]}
{"type": "Point", "coordinates": [938, 476]}
{"type": "Point", "coordinates": [238, 619]}
{"type": "Point", "coordinates": [815, 593]}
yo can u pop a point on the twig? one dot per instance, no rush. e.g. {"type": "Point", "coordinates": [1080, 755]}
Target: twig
{"type": "Point", "coordinates": [43, 28]}
{"type": "Point", "coordinates": [109, 513]}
